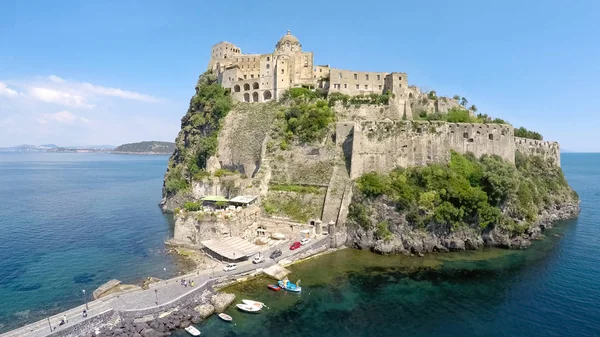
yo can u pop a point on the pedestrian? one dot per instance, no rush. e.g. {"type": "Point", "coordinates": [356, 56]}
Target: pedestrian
{"type": "Point", "coordinates": [191, 283]}
{"type": "Point", "coordinates": [84, 313]}
{"type": "Point", "coordinates": [65, 319]}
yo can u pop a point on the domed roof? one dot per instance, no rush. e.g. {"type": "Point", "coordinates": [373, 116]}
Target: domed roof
{"type": "Point", "coordinates": [288, 37]}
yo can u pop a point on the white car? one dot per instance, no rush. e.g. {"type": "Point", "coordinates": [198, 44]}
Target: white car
{"type": "Point", "coordinates": [258, 259]}
{"type": "Point", "coordinates": [304, 241]}
{"type": "Point", "coordinates": [230, 266]}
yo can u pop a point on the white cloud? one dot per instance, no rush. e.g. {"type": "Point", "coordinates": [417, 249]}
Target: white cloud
{"type": "Point", "coordinates": [6, 91]}
{"type": "Point", "coordinates": [56, 79]}
{"type": "Point", "coordinates": [104, 91]}
{"type": "Point", "coordinates": [64, 117]}
{"type": "Point", "coordinates": [59, 97]}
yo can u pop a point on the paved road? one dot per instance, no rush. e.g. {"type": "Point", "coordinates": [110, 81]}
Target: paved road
{"type": "Point", "coordinates": [161, 292]}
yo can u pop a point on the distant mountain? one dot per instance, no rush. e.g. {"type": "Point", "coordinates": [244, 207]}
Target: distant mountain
{"type": "Point", "coordinates": [148, 147]}
{"type": "Point", "coordinates": [56, 148]}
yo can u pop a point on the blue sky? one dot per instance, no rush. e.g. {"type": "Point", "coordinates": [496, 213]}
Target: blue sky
{"type": "Point", "coordinates": [109, 72]}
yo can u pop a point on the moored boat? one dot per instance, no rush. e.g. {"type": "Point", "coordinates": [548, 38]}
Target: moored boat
{"type": "Point", "coordinates": [248, 308]}
{"type": "Point", "coordinates": [225, 317]}
{"type": "Point", "coordinates": [192, 330]}
{"type": "Point", "coordinates": [289, 286]}
{"type": "Point", "coordinates": [274, 287]}
{"type": "Point", "coordinates": [255, 303]}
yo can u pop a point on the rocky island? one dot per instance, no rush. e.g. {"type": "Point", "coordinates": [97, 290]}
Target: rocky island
{"type": "Point", "coordinates": [149, 147]}
{"type": "Point", "coordinates": [274, 145]}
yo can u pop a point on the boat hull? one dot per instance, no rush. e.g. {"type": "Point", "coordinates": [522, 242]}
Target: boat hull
{"type": "Point", "coordinates": [192, 331]}
{"type": "Point", "coordinates": [225, 317]}
{"type": "Point", "coordinates": [290, 287]}
{"type": "Point", "coordinates": [274, 287]}
{"type": "Point", "coordinates": [248, 308]}
{"type": "Point", "coordinates": [254, 303]}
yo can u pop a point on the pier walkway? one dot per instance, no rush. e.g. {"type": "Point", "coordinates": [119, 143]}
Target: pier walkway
{"type": "Point", "coordinates": [157, 294]}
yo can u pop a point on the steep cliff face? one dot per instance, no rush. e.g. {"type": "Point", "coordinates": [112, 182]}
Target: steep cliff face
{"type": "Point", "coordinates": [467, 204]}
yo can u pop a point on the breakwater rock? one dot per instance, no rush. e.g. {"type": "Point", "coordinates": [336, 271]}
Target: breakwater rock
{"type": "Point", "coordinates": [405, 239]}
{"type": "Point", "coordinates": [166, 323]}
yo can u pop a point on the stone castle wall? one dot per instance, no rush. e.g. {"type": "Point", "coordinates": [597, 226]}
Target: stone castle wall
{"type": "Point", "coordinates": [545, 149]}
{"type": "Point", "coordinates": [384, 145]}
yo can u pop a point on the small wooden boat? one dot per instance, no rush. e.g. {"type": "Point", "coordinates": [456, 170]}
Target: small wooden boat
{"type": "Point", "coordinates": [248, 308]}
{"type": "Point", "coordinates": [192, 330]}
{"type": "Point", "coordinates": [225, 317]}
{"type": "Point", "coordinates": [274, 287]}
{"type": "Point", "coordinates": [255, 303]}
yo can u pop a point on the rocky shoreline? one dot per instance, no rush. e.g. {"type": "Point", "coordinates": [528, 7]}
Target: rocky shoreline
{"type": "Point", "coordinates": [170, 321]}
{"type": "Point", "coordinates": [410, 241]}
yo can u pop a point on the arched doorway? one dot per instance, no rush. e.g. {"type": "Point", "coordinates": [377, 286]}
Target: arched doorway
{"type": "Point", "coordinates": [267, 95]}
{"type": "Point", "coordinates": [255, 97]}
{"type": "Point", "coordinates": [246, 97]}
{"type": "Point", "coordinates": [255, 85]}
{"type": "Point", "coordinates": [246, 87]}
{"type": "Point", "coordinates": [236, 88]}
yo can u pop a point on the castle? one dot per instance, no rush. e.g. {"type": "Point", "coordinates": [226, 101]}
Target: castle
{"type": "Point", "coordinates": [264, 77]}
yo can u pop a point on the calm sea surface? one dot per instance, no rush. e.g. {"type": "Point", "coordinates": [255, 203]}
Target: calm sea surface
{"type": "Point", "coordinates": [71, 222]}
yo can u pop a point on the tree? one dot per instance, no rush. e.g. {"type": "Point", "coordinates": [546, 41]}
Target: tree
{"type": "Point", "coordinates": [456, 97]}
{"type": "Point", "coordinates": [464, 101]}
{"type": "Point", "coordinates": [473, 107]}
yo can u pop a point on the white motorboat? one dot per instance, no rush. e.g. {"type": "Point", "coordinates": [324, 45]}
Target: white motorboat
{"type": "Point", "coordinates": [192, 330]}
{"type": "Point", "coordinates": [255, 303]}
{"type": "Point", "coordinates": [248, 308]}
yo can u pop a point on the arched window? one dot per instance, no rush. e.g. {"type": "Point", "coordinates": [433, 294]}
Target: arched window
{"type": "Point", "coordinates": [410, 95]}
{"type": "Point", "coordinates": [268, 59]}
{"type": "Point", "coordinates": [246, 97]}
{"type": "Point", "coordinates": [255, 85]}
{"type": "Point", "coordinates": [267, 95]}
{"type": "Point", "coordinates": [255, 97]}
{"type": "Point", "coordinates": [268, 66]}
{"type": "Point", "coordinates": [236, 88]}
{"type": "Point", "coordinates": [246, 87]}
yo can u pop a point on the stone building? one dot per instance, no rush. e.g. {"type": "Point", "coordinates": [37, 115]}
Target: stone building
{"type": "Point", "coordinates": [263, 77]}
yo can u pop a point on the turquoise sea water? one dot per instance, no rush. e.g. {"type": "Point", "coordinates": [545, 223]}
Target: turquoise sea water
{"type": "Point", "coordinates": [73, 221]}
{"type": "Point", "coordinates": [70, 222]}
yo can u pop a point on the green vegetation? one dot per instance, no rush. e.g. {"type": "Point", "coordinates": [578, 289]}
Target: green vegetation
{"type": "Point", "coordinates": [347, 100]}
{"type": "Point", "coordinates": [305, 119]}
{"type": "Point", "coordinates": [467, 191]}
{"type": "Point", "coordinates": [224, 172]}
{"type": "Point", "coordinates": [208, 108]}
{"type": "Point", "coordinates": [146, 147]}
{"type": "Point", "coordinates": [294, 188]}
{"type": "Point", "coordinates": [294, 208]}
{"type": "Point", "coordinates": [458, 115]}
{"type": "Point", "coordinates": [191, 206]}
{"type": "Point", "coordinates": [524, 133]}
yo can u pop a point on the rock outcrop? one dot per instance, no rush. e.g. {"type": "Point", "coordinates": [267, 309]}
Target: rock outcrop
{"type": "Point", "coordinates": [436, 238]}
{"type": "Point", "coordinates": [221, 301]}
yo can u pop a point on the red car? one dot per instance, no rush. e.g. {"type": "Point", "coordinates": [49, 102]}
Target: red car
{"type": "Point", "coordinates": [295, 245]}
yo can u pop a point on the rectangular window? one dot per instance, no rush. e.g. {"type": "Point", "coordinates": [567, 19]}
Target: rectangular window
{"type": "Point", "coordinates": [340, 75]}
{"type": "Point", "coordinates": [252, 76]}
{"type": "Point", "coordinates": [320, 70]}
{"type": "Point", "coordinates": [380, 87]}
{"type": "Point", "coordinates": [379, 77]}
{"type": "Point", "coordinates": [245, 77]}
{"type": "Point", "coordinates": [357, 86]}
{"type": "Point", "coordinates": [400, 78]}
{"type": "Point", "coordinates": [367, 76]}
{"type": "Point", "coordinates": [355, 76]}
{"type": "Point", "coordinates": [345, 86]}
{"type": "Point", "coordinates": [282, 71]}
{"type": "Point", "coordinates": [366, 86]}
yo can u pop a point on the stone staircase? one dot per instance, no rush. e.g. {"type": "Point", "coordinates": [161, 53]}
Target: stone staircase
{"type": "Point", "coordinates": [338, 184]}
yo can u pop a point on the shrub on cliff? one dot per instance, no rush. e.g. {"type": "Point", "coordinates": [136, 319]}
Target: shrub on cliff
{"type": "Point", "coordinates": [524, 133]}
{"type": "Point", "coordinates": [197, 140]}
{"type": "Point", "coordinates": [304, 120]}
{"type": "Point", "coordinates": [466, 192]}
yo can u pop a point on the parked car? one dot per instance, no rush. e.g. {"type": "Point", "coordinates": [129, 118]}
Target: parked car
{"type": "Point", "coordinates": [295, 245]}
{"type": "Point", "coordinates": [276, 254]}
{"type": "Point", "coordinates": [304, 241]}
{"type": "Point", "coordinates": [230, 266]}
{"type": "Point", "coordinates": [258, 259]}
